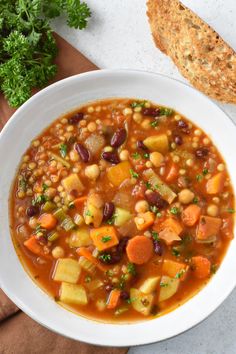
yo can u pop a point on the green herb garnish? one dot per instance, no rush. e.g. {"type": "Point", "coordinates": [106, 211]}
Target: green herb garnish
{"type": "Point", "coordinates": [174, 210]}
{"type": "Point", "coordinates": [44, 186]}
{"type": "Point", "coordinates": [166, 111]}
{"type": "Point", "coordinates": [148, 185]}
{"type": "Point", "coordinates": [138, 104]}
{"type": "Point", "coordinates": [199, 178]}
{"type": "Point", "coordinates": [180, 274]}
{"type": "Point", "coordinates": [155, 236]}
{"type": "Point", "coordinates": [130, 300]}
{"type": "Point", "coordinates": [63, 150]}
{"type": "Point", "coordinates": [40, 199]}
{"type": "Point", "coordinates": [88, 213]}
{"type": "Point", "coordinates": [154, 123]}
{"type": "Point", "coordinates": [134, 174]}
{"type": "Point", "coordinates": [136, 155]}
{"type": "Point", "coordinates": [105, 257]}
{"type": "Point", "coordinates": [175, 252]}
{"type": "Point", "coordinates": [28, 47]}
{"type": "Point", "coordinates": [205, 171]}
{"type": "Point", "coordinates": [131, 269]}
{"type": "Point", "coordinates": [111, 221]}
{"type": "Point", "coordinates": [105, 239]}
{"type": "Point", "coordinates": [163, 285]}
{"type": "Point", "coordinates": [195, 200]}
{"type": "Point", "coordinates": [231, 211]}
{"type": "Point", "coordinates": [23, 184]}
{"type": "Point", "coordinates": [122, 282]}
{"type": "Point", "coordinates": [87, 279]}
{"type": "Point", "coordinates": [146, 155]}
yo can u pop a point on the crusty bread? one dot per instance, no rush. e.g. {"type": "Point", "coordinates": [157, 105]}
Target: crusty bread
{"type": "Point", "coordinates": [198, 51]}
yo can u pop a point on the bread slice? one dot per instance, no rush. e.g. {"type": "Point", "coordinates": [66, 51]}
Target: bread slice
{"type": "Point", "coordinates": [200, 54]}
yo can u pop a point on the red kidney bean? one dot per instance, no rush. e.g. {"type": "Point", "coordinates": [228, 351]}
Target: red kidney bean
{"type": "Point", "coordinates": [178, 140]}
{"type": "Point", "coordinates": [111, 157]}
{"type": "Point", "coordinates": [124, 295]}
{"type": "Point", "coordinates": [157, 247]}
{"type": "Point", "coordinates": [154, 198]}
{"type": "Point", "coordinates": [108, 211]}
{"type": "Point", "coordinates": [118, 138]}
{"type": "Point", "coordinates": [153, 112]}
{"type": "Point", "coordinates": [141, 145]}
{"type": "Point", "coordinates": [122, 245]}
{"type": "Point", "coordinates": [83, 152]}
{"type": "Point", "coordinates": [76, 118]}
{"type": "Point", "coordinates": [201, 153]}
{"type": "Point", "coordinates": [183, 126]}
{"type": "Point", "coordinates": [32, 210]}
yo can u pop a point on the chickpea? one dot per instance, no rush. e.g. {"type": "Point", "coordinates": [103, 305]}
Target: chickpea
{"type": "Point", "coordinates": [74, 156]}
{"type": "Point", "coordinates": [33, 222]}
{"type": "Point", "coordinates": [124, 155]}
{"type": "Point", "coordinates": [141, 206]}
{"type": "Point", "coordinates": [92, 172]}
{"type": "Point", "coordinates": [127, 111]}
{"type": "Point", "coordinates": [137, 117]}
{"type": "Point", "coordinates": [146, 124]}
{"type": "Point", "coordinates": [221, 167]}
{"type": "Point", "coordinates": [92, 127]}
{"type": "Point", "coordinates": [186, 196]}
{"type": "Point", "coordinates": [58, 252]}
{"type": "Point", "coordinates": [51, 192]}
{"type": "Point", "coordinates": [212, 210]}
{"type": "Point", "coordinates": [156, 158]}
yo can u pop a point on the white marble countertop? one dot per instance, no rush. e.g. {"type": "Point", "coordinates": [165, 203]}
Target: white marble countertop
{"type": "Point", "coordinates": [118, 36]}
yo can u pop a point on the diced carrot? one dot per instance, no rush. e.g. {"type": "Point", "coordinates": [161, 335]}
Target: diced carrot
{"type": "Point", "coordinates": [104, 237]}
{"type": "Point", "coordinates": [172, 173]}
{"type": "Point", "coordinates": [191, 215]}
{"type": "Point", "coordinates": [118, 173]}
{"type": "Point", "coordinates": [78, 202]}
{"type": "Point", "coordinates": [215, 184]}
{"type": "Point", "coordinates": [113, 299]}
{"type": "Point", "coordinates": [83, 251]}
{"type": "Point", "coordinates": [201, 267]}
{"type": "Point", "coordinates": [47, 221]}
{"type": "Point", "coordinates": [139, 249]}
{"type": "Point", "coordinates": [174, 269]}
{"type": "Point", "coordinates": [144, 220]}
{"type": "Point", "coordinates": [208, 228]}
{"type": "Point", "coordinates": [172, 224]}
{"type": "Point", "coordinates": [33, 245]}
{"type": "Point", "coordinates": [169, 236]}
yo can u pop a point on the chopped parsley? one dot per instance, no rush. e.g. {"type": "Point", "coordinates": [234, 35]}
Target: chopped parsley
{"type": "Point", "coordinates": [122, 282]}
{"type": "Point", "coordinates": [138, 104]}
{"type": "Point", "coordinates": [134, 174]}
{"type": "Point", "coordinates": [199, 178]}
{"type": "Point", "coordinates": [180, 274]}
{"type": "Point", "coordinates": [231, 211]}
{"type": "Point", "coordinates": [155, 236]}
{"type": "Point", "coordinates": [111, 221]}
{"type": "Point", "coordinates": [154, 123]}
{"type": "Point", "coordinates": [105, 257]}
{"type": "Point", "coordinates": [136, 155]}
{"type": "Point", "coordinates": [163, 285]}
{"type": "Point", "coordinates": [195, 200]}
{"type": "Point", "coordinates": [44, 186]}
{"type": "Point", "coordinates": [105, 239]}
{"type": "Point", "coordinates": [130, 300]}
{"type": "Point", "coordinates": [87, 279]}
{"type": "Point", "coordinates": [88, 213]}
{"type": "Point", "coordinates": [40, 199]}
{"type": "Point", "coordinates": [148, 185]}
{"type": "Point", "coordinates": [109, 273]}
{"type": "Point", "coordinates": [205, 171]}
{"type": "Point", "coordinates": [63, 150]}
{"type": "Point", "coordinates": [131, 269]}
{"type": "Point", "coordinates": [175, 252]}
{"type": "Point", "coordinates": [154, 209]}
{"type": "Point", "coordinates": [174, 210]}
{"type": "Point", "coordinates": [146, 155]}
{"type": "Point", "coordinates": [166, 111]}
{"type": "Point", "coordinates": [39, 229]}
{"type": "Point", "coordinates": [23, 184]}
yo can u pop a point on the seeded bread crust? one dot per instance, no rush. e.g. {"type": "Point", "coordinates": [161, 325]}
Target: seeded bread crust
{"type": "Point", "coordinates": [200, 54]}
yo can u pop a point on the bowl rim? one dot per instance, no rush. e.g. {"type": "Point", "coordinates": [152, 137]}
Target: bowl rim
{"type": "Point", "coordinates": [134, 341]}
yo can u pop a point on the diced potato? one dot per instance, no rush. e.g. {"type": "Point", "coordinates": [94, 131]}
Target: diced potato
{"type": "Point", "coordinates": [93, 215]}
{"type": "Point", "coordinates": [80, 238]}
{"type": "Point", "coordinates": [149, 285]}
{"type": "Point", "coordinates": [101, 305]}
{"type": "Point", "coordinates": [168, 287]}
{"type": "Point", "coordinates": [87, 265]}
{"type": "Point", "coordinates": [121, 216]}
{"type": "Point", "coordinates": [67, 270]}
{"type": "Point", "coordinates": [73, 294]}
{"type": "Point", "coordinates": [174, 269]}
{"type": "Point", "coordinates": [141, 302]}
{"type": "Point", "coordinates": [215, 184]}
{"type": "Point", "coordinates": [72, 182]}
{"type": "Point", "coordinates": [159, 185]}
{"type": "Point", "coordinates": [208, 228]}
{"type": "Point", "coordinates": [158, 143]}
{"type": "Point", "coordinates": [94, 285]}
{"type": "Point", "coordinates": [119, 173]}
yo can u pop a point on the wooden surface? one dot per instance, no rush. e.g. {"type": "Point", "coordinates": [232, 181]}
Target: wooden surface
{"type": "Point", "coordinates": [19, 334]}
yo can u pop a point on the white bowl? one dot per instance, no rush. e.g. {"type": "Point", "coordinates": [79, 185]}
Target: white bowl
{"type": "Point", "coordinates": [40, 111]}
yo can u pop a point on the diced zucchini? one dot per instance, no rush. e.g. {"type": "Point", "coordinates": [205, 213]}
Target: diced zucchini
{"type": "Point", "coordinates": [158, 143]}
{"type": "Point", "coordinates": [80, 238]}
{"type": "Point", "coordinates": [121, 216]}
{"type": "Point", "coordinates": [94, 285]}
{"type": "Point", "coordinates": [67, 270]}
{"type": "Point", "coordinates": [141, 302]}
{"type": "Point", "coordinates": [149, 285]}
{"type": "Point", "coordinates": [60, 159]}
{"type": "Point", "coordinates": [158, 185]}
{"type": "Point", "coordinates": [73, 294]}
{"type": "Point", "coordinates": [101, 305]}
{"type": "Point", "coordinates": [168, 287]}
{"type": "Point", "coordinates": [72, 182]}
{"type": "Point", "coordinates": [87, 265]}
{"type": "Point", "coordinates": [49, 206]}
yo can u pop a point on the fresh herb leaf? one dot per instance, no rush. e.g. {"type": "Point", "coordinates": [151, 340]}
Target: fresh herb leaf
{"type": "Point", "coordinates": [166, 111]}
{"type": "Point", "coordinates": [154, 123]}
{"type": "Point", "coordinates": [131, 269]}
{"type": "Point", "coordinates": [88, 213]}
{"type": "Point", "coordinates": [122, 282]}
{"type": "Point", "coordinates": [155, 236]}
{"type": "Point", "coordinates": [44, 186]}
{"type": "Point", "coordinates": [199, 178]}
{"type": "Point", "coordinates": [148, 185]}
{"type": "Point", "coordinates": [105, 239]}
{"type": "Point", "coordinates": [136, 155]}
{"type": "Point", "coordinates": [230, 210]}
{"type": "Point", "coordinates": [134, 174]}
{"type": "Point", "coordinates": [154, 209]}
{"type": "Point", "coordinates": [138, 104]}
{"type": "Point", "coordinates": [205, 171]}
{"type": "Point", "coordinates": [175, 252]}
{"type": "Point", "coordinates": [105, 257]}
{"type": "Point", "coordinates": [130, 300]}
{"type": "Point", "coordinates": [180, 274]}
{"type": "Point", "coordinates": [40, 199]}
{"type": "Point", "coordinates": [174, 210]}
{"type": "Point", "coordinates": [163, 285]}
{"type": "Point", "coordinates": [87, 279]}
{"type": "Point", "coordinates": [23, 184]}
{"type": "Point", "coordinates": [146, 155]}
{"type": "Point", "coordinates": [63, 150]}
{"type": "Point", "coordinates": [111, 221]}
{"type": "Point", "coordinates": [195, 200]}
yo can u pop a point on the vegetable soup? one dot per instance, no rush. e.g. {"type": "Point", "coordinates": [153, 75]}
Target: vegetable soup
{"type": "Point", "coordinates": [122, 210]}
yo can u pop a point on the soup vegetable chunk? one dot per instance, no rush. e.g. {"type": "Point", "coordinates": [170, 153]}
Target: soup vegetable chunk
{"type": "Point", "coordinates": [122, 210]}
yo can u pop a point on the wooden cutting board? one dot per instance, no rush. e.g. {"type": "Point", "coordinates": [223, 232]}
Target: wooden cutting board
{"type": "Point", "coordinates": [19, 334]}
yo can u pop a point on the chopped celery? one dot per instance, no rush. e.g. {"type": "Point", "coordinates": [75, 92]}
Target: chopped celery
{"type": "Point", "coordinates": [65, 220]}
{"type": "Point", "coordinates": [53, 236]}
{"type": "Point", "coordinates": [94, 285]}
{"type": "Point", "coordinates": [87, 265]}
{"type": "Point", "coordinates": [60, 159]}
{"type": "Point", "coordinates": [68, 270]}
{"type": "Point", "coordinates": [49, 206]}
{"type": "Point", "coordinates": [78, 219]}
{"type": "Point", "coordinates": [73, 294]}
{"type": "Point", "coordinates": [60, 215]}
